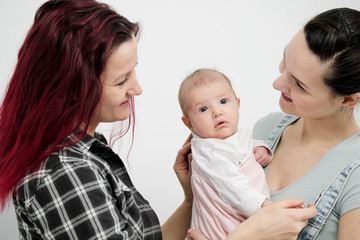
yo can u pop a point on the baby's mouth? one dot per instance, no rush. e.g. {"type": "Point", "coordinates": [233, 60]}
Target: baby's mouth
{"type": "Point", "coordinates": [220, 123]}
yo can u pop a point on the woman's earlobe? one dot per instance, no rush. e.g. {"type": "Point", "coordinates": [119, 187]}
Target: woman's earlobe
{"type": "Point", "coordinates": [351, 100]}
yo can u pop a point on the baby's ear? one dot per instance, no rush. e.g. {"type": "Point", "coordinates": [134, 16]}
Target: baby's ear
{"type": "Point", "coordinates": [187, 122]}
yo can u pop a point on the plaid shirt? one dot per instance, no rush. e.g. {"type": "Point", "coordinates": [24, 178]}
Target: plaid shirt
{"type": "Point", "coordinates": [83, 192]}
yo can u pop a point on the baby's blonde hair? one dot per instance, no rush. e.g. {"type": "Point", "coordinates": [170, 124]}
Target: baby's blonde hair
{"type": "Point", "coordinates": [197, 78]}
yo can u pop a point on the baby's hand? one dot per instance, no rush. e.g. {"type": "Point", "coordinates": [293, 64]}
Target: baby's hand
{"type": "Point", "coordinates": [262, 156]}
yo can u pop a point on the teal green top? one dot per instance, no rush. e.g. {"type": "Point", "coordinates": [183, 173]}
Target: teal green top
{"type": "Point", "coordinates": [318, 177]}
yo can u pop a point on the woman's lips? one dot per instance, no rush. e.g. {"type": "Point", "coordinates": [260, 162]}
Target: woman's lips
{"type": "Point", "coordinates": [286, 99]}
{"type": "Point", "coordinates": [125, 103]}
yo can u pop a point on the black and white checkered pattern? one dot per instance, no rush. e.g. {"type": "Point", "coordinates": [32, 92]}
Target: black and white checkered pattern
{"type": "Point", "coordinates": [83, 192]}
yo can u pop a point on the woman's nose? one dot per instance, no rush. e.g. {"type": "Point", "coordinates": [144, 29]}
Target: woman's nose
{"type": "Point", "coordinates": [135, 88]}
{"type": "Point", "coordinates": [280, 82]}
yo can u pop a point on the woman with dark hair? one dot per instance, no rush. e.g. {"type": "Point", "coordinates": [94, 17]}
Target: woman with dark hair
{"type": "Point", "coordinates": [318, 135]}
{"type": "Point", "coordinates": [76, 69]}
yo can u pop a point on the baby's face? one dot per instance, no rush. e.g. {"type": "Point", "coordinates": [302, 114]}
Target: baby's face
{"type": "Point", "coordinates": [213, 109]}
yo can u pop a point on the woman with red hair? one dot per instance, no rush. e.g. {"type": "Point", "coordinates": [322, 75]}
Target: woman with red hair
{"type": "Point", "coordinates": [76, 69]}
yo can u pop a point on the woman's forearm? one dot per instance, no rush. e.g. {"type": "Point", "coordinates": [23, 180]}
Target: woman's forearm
{"type": "Point", "coordinates": [279, 220]}
{"type": "Point", "coordinates": [179, 222]}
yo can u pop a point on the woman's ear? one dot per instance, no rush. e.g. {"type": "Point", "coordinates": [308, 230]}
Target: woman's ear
{"type": "Point", "coordinates": [351, 100]}
{"type": "Point", "coordinates": [187, 122]}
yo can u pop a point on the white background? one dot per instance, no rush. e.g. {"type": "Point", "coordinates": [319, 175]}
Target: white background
{"type": "Point", "coordinates": [243, 39]}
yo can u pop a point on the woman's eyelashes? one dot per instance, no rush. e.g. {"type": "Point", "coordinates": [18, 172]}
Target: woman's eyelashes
{"type": "Point", "coordinates": [122, 82]}
{"type": "Point", "coordinates": [299, 85]}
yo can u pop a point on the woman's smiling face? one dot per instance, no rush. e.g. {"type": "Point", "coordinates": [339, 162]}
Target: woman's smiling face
{"type": "Point", "coordinates": [119, 84]}
{"type": "Point", "coordinates": [303, 91]}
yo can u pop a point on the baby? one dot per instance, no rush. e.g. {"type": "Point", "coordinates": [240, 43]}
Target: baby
{"type": "Point", "coordinates": [227, 180]}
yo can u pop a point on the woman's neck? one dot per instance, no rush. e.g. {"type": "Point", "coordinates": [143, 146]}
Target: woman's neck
{"type": "Point", "coordinates": [329, 131]}
{"type": "Point", "coordinates": [90, 130]}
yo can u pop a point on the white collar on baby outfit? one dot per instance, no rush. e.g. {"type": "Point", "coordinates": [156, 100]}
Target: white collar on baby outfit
{"type": "Point", "coordinates": [238, 146]}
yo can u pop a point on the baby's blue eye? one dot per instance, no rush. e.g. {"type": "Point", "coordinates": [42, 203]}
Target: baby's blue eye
{"type": "Point", "coordinates": [203, 109]}
{"type": "Point", "coordinates": [223, 101]}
